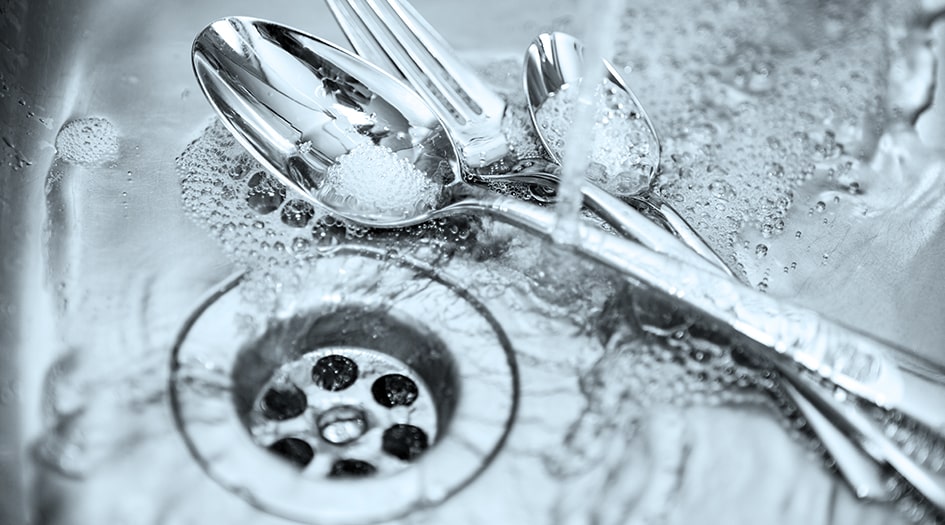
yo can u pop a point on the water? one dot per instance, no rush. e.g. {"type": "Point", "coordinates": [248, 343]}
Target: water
{"type": "Point", "coordinates": [764, 110]}
{"type": "Point", "coordinates": [628, 409]}
{"type": "Point", "coordinates": [599, 17]}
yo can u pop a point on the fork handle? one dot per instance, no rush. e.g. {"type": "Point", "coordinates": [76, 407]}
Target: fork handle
{"type": "Point", "coordinates": [871, 440]}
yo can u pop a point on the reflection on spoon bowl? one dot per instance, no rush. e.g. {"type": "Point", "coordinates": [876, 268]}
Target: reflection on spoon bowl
{"type": "Point", "coordinates": [332, 127]}
{"type": "Point", "coordinates": [554, 66]}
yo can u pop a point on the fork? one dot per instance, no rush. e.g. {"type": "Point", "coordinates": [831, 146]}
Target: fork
{"type": "Point", "coordinates": [396, 38]}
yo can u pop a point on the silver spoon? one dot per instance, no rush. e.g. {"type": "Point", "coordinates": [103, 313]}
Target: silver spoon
{"type": "Point", "coordinates": [300, 105]}
{"type": "Point", "coordinates": [553, 63]}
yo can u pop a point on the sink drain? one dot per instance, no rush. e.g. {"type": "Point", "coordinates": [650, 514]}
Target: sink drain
{"type": "Point", "coordinates": [362, 400]}
{"type": "Point", "coordinates": [351, 412]}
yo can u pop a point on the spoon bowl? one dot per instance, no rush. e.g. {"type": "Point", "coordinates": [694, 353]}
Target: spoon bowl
{"type": "Point", "coordinates": [299, 104]}
{"type": "Point", "coordinates": [554, 63]}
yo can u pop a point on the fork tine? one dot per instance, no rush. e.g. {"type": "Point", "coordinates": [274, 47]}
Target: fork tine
{"type": "Point", "coordinates": [464, 78]}
{"type": "Point", "coordinates": [393, 34]}
{"type": "Point", "coordinates": [416, 64]}
{"type": "Point", "coordinates": [360, 37]}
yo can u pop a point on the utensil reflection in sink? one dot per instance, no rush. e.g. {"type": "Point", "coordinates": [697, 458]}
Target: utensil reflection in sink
{"type": "Point", "coordinates": [554, 65]}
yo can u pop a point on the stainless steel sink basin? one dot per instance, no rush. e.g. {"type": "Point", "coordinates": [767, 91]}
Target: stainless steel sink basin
{"type": "Point", "coordinates": [569, 398]}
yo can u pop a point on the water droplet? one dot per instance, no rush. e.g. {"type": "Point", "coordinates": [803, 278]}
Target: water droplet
{"type": "Point", "coordinates": [721, 189]}
{"type": "Point", "coordinates": [300, 245]}
{"type": "Point", "coordinates": [265, 193]}
{"type": "Point", "coordinates": [297, 213]}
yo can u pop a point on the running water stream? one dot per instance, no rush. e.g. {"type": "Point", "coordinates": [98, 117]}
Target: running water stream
{"type": "Point", "coordinates": [601, 17]}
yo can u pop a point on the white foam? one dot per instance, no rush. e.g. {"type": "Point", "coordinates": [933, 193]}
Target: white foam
{"type": "Point", "coordinates": [375, 180]}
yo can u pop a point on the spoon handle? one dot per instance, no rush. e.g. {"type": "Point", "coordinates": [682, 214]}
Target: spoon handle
{"type": "Point", "coordinates": [657, 209]}
{"type": "Point", "coordinates": [655, 224]}
{"type": "Point", "coordinates": [678, 239]}
{"type": "Point", "coordinates": [874, 443]}
{"type": "Point", "coordinates": [877, 371]}
{"type": "Point", "coordinates": [866, 475]}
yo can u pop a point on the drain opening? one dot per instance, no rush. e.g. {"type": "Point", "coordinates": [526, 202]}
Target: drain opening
{"type": "Point", "coordinates": [335, 372]}
{"type": "Point", "coordinates": [394, 390]}
{"type": "Point", "coordinates": [294, 450]}
{"type": "Point", "coordinates": [392, 410]}
{"type": "Point", "coordinates": [405, 442]}
{"type": "Point", "coordinates": [351, 468]}
{"type": "Point", "coordinates": [365, 412]}
{"type": "Point", "coordinates": [283, 403]}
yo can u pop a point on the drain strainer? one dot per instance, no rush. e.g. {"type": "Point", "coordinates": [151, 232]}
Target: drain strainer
{"type": "Point", "coordinates": [379, 389]}
{"type": "Point", "coordinates": [348, 412]}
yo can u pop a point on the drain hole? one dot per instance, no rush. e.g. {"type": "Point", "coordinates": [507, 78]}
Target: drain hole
{"type": "Point", "coordinates": [351, 468]}
{"type": "Point", "coordinates": [283, 403]}
{"type": "Point", "coordinates": [342, 425]}
{"type": "Point", "coordinates": [394, 390]}
{"type": "Point", "coordinates": [405, 442]}
{"type": "Point", "coordinates": [334, 372]}
{"type": "Point", "coordinates": [294, 450]}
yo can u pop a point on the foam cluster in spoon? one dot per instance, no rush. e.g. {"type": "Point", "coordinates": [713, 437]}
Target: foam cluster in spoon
{"type": "Point", "coordinates": [623, 145]}
{"type": "Point", "coordinates": [374, 180]}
